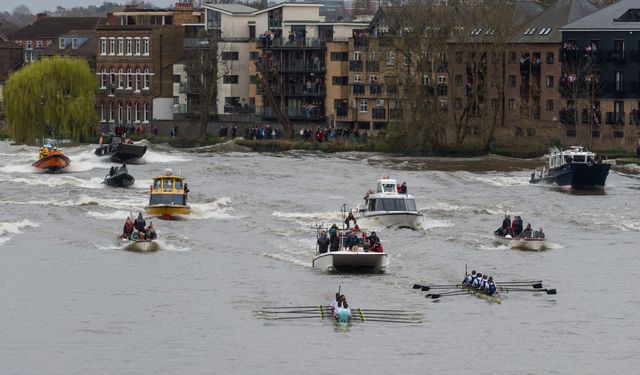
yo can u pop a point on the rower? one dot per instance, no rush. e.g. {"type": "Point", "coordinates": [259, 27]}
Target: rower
{"type": "Point", "coordinates": [469, 279]}
{"type": "Point", "coordinates": [476, 282]}
{"type": "Point", "coordinates": [343, 314]}
{"type": "Point", "coordinates": [490, 287]}
{"type": "Point", "coordinates": [483, 283]}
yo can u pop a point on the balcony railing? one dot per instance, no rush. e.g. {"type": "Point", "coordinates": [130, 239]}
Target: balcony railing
{"type": "Point", "coordinates": [302, 66]}
{"type": "Point", "coordinates": [375, 89]}
{"type": "Point", "coordinates": [355, 65]}
{"type": "Point", "coordinates": [373, 66]}
{"type": "Point", "coordinates": [358, 88]}
{"type": "Point", "coordinates": [309, 112]}
{"type": "Point", "coordinates": [305, 90]}
{"type": "Point", "coordinates": [296, 43]}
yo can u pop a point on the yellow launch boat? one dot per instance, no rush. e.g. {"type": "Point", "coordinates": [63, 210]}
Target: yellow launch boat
{"type": "Point", "coordinates": [168, 197]}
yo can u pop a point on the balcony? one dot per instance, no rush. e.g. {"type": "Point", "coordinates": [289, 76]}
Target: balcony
{"type": "Point", "coordinates": [308, 112]}
{"type": "Point", "coordinates": [305, 90]}
{"type": "Point", "coordinates": [442, 89]}
{"type": "Point", "coordinates": [285, 43]}
{"type": "Point", "coordinates": [375, 89]}
{"type": "Point", "coordinates": [358, 88]}
{"type": "Point", "coordinates": [302, 66]}
{"type": "Point", "coordinates": [379, 113]}
{"type": "Point", "coordinates": [614, 118]}
{"type": "Point", "coordinates": [342, 112]}
{"type": "Point", "coordinates": [373, 66]}
{"type": "Point", "coordinates": [617, 56]}
{"type": "Point", "coordinates": [355, 66]}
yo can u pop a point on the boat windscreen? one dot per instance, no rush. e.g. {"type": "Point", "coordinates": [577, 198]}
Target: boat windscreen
{"type": "Point", "coordinates": [166, 199]}
{"type": "Point", "coordinates": [389, 188]}
{"type": "Point", "coordinates": [390, 204]}
{"type": "Point", "coordinates": [158, 185]}
{"type": "Point", "coordinates": [411, 205]}
{"type": "Point", "coordinates": [168, 184]}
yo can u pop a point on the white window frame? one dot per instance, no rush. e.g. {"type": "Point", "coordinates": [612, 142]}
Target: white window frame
{"type": "Point", "coordinates": [146, 45]}
{"type": "Point", "coordinates": [39, 44]}
{"type": "Point", "coordinates": [442, 79]}
{"type": "Point", "coordinates": [363, 106]}
{"type": "Point", "coordinates": [111, 112]}
{"type": "Point", "coordinates": [120, 113]}
{"type": "Point", "coordinates": [136, 113]}
{"type": "Point", "coordinates": [129, 46]}
{"type": "Point", "coordinates": [120, 46]}
{"type": "Point", "coordinates": [102, 117]}
{"type": "Point", "coordinates": [112, 46]}
{"type": "Point", "coordinates": [357, 78]}
{"type": "Point", "coordinates": [128, 113]}
{"type": "Point", "coordinates": [129, 79]}
{"type": "Point", "coordinates": [138, 83]}
{"type": "Point", "coordinates": [103, 78]}
{"type": "Point", "coordinates": [357, 55]}
{"type": "Point", "coordinates": [61, 43]}
{"type": "Point", "coordinates": [138, 46]}
{"type": "Point", "coordinates": [120, 78]}
{"type": "Point", "coordinates": [145, 113]}
{"type": "Point", "coordinates": [103, 46]}
{"type": "Point", "coordinates": [29, 45]}
{"type": "Point", "coordinates": [74, 43]}
{"type": "Point", "coordinates": [145, 79]}
{"type": "Point", "coordinates": [391, 58]}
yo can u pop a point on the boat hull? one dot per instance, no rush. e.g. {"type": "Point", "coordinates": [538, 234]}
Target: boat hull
{"type": "Point", "coordinates": [52, 163]}
{"type": "Point", "coordinates": [392, 219]}
{"type": "Point", "coordinates": [141, 246]}
{"type": "Point", "coordinates": [351, 261]}
{"type": "Point", "coordinates": [533, 244]}
{"type": "Point", "coordinates": [493, 299]}
{"type": "Point", "coordinates": [120, 180]}
{"type": "Point", "coordinates": [576, 176]}
{"type": "Point", "coordinates": [168, 211]}
{"type": "Point", "coordinates": [122, 152]}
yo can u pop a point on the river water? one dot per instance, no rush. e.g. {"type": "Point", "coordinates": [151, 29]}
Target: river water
{"type": "Point", "coordinates": [74, 302]}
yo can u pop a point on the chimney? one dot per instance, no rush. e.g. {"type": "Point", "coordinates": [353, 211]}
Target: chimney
{"type": "Point", "coordinates": [41, 16]}
{"type": "Point", "coordinates": [111, 19]}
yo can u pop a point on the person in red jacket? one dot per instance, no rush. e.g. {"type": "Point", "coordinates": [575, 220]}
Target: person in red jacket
{"type": "Point", "coordinates": [128, 228]}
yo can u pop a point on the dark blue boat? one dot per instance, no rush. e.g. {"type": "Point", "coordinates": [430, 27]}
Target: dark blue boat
{"type": "Point", "coordinates": [573, 169]}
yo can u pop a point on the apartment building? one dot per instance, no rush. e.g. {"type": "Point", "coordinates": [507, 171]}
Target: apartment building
{"type": "Point", "coordinates": [135, 53]}
{"type": "Point", "coordinates": [75, 43]}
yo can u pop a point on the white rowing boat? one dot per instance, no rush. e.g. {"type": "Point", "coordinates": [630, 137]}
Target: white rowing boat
{"type": "Point", "coordinates": [524, 243]}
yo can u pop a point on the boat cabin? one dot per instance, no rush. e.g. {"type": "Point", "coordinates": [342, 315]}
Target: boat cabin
{"type": "Point", "coordinates": [574, 155]}
{"type": "Point", "coordinates": [387, 197]}
{"type": "Point", "coordinates": [168, 189]}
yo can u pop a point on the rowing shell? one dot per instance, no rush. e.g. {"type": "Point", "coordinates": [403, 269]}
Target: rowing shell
{"type": "Point", "coordinates": [494, 298]}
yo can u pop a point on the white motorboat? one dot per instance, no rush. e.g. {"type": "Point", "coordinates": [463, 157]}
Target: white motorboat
{"type": "Point", "coordinates": [141, 246]}
{"type": "Point", "coordinates": [389, 205]}
{"type": "Point", "coordinates": [524, 243]}
{"type": "Point", "coordinates": [351, 260]}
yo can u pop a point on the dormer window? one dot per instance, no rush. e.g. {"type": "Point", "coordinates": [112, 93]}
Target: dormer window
{"type": "Point", "coordinates": [631, 15]}
{"type": "Point", "coordinates": [74, 43]}
{"type": "Point", "coordinates": [61, 45]}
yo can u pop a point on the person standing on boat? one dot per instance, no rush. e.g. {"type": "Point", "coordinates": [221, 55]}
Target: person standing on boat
{"type": "Point", "coordinates": [506, 225]}
{"type": "Point", "coordinates": [140, 224]}
{"type": "Point", "coordinates": [333, 231]}
{"type": "Point", "coordinates": [402, 189]}
{"type": "Point", "coordinates": [349, 219]}
{"type": "Point", "coordinates": [323, 243]}
{"type": "Point", "coordinates": [470, 278]}
{"type": "Point", "coordinates": [334, 242]}
{"type": "Point", "coordinates": [186, 192]}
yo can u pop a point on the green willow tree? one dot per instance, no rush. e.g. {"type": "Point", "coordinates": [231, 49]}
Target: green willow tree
{"type": "Point", "coordinates": [53, 96]}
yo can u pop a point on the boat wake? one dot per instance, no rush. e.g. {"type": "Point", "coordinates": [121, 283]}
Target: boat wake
{"type": "Point", "coordinates": [307, 219]}
{"type": "Point", "coordinates": [217, 209]}
{"type": "Point", "coordinates": [501, 181]}
{"type": "Point", "coordinates": [9, 228]}
{"type": "Point", "coordinates": [151, 157]}
{"type": "Point", "coordinates": [46, 180]}
{"type": "Point", "coordinates": [113, 215]}
{"type": "Point", "coordinates": [451, 209]}
{"type": "Point", "coordinates": [84, 200]}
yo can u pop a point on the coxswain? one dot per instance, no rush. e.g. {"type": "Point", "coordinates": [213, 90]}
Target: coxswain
{"type": "Point", "coordinates": [491, 288]}
{"type": "Point", "coordinates": [343, 314]}
{"type": "Point", "coordinates": [469, 279]}
{"type": "Point", "coordinates": [476, 282]}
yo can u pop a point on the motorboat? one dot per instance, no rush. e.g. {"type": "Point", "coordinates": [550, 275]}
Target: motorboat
{"type": "Point", "coordinates": [121, 150]}
{"type": "Point", "coordinates": [142, 246]}
{"type": "Point", "coordinates": [168, 197]}
{"type": "Point", "coordinates": [119, 177]}
{"type": "Point", "coordinates": [575, 168]}
{"type": "Point", "coordinates": [51, 159]}
{"type": "Point", "coordinates": [524, 243]}
{"type": "Point", "coordinates": [389, 205]}
{"type": "Point", "coordinates": [357, 258]}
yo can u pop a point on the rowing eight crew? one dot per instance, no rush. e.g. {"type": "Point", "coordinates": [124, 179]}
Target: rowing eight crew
{"type": "Point", "coordinates": [340, 309]}
{"type": "Point", "coordinates": [480, 282]}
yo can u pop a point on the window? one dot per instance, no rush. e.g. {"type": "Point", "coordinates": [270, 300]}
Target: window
{"type": "Point", "coordinates": [458, 80]}
{"type": "Point", "coordinates": [38, 44]}
{"type": "Point", "coordinates": [138, 80]}
{"type": "Point", "coordinates": [494, 103]}
{"type": "Point", "coordinates": [129, 79]}
{"type": "Point", "coordinates": [145, 81]}
{"type": "Point", "coordinates": [442, 80]}
{"type": "Point", "coordinates": [458, 57]}
{"type": "Point", "coordinates": [29, 45]}
{"type": "Point", "coordinates": [61, 43]}
{"type": "Point", "coordinates": [363, 105]}
{"type": "Point", "coordinates": [112, 81]}
{"type": "Point", "coordinates": [340, 80]}
{"type": "Point", "coordinates": [74, 43]}
{"type": "Point", "coordinates": [391, 58]}
{"type": "Point", "coordinates": [549, 105]}
{"type": "Point", "coordinates": [129, 46]}
{"type": "Point", "coordinates": [103, 78]}
{"type": "Point", "coordinates": [357, 56]}
{"type": "Point", "coordinates": [550, 57]}
{"type": "Point", "coordinates": [373, 56]}
{"type": "Point", "coordinates": [357, 78]}
{"type": "Point", "coordinates": [232, 79]}
{"type": "Point", "coordinates": [112, 113]}
{"type": "Point", "coordinates": [145, 46]}
{"type": "Point", "coordinates": [339, 56]}
{"type": "Point", "coordinates": [120, 113]}
{"type": "Point", "coordinates": [120, 46]}
{"type": "Point", "coordinates": [457, 104]}
{"type": "Point", "coordinates": [549, 81]}
{"type": "Point", "coordinates": [253, 55]}
{"type": "Point", "coordinates": [120, 78]}
{"type": "Point", "coordinates": [102, 114]}
{"type": "Point", "coordinates": [146, 113]}
{"type": "Point", "coordinates": [619, 81]}
{"type": "Point", "coordinates": [230, 56]}
{"type": "Point", "coordinates": [112, 46]}
{"type": "Point", "coordinates": [512, 104]}
{"type": "Point", "coordinates": [138, 45]}
{"type": "Point", "coordinates": [103, 46]}
{"type": "Point", "coordinates": [128, 113]}
{"type": "Point", "coordinates": [512, 81]}
{"type": "Point", "coordinates": [512, 57]}
{"type": "Point", "coordinates": [136, 112]}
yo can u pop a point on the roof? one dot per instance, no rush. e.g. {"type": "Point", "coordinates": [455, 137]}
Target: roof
{"type": "Point", "coordinates": [52, 27]}
{"type": "Point", "coordinates": [545, 27]}
{"type": "Point", "coordinates": [232, 8]}
{"type": "Point", "coordinates": [6, 45]}
{"type": "Point", "coordinates": [87, 49]}
{"type": "Point", "coordinates": [605, 19]}
{"type": "Point", "coordinates": [526, 10]}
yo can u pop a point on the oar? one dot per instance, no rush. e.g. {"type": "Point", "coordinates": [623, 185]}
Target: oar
{"type": "Point", "coordinates": [386, 320]}
{"type": "Point", "coordinates": [520, 282]}
{"type": "Point", "coordinates": [317, 312]}
{"type": "Point", "coordinates": [548, 291]}
{"type": "Point", "coordinates": [378, 310]}
{"type": "Point", "coordinates": [427, 287]}
{"type": "Point", "coordinates": [535, 286]}
{"type": "Point", "coordinates": [435, 296]}
{"type": "Point", "coordinates": [291, 317]}
{"type": "Point", "coordinates": [295, 307]}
